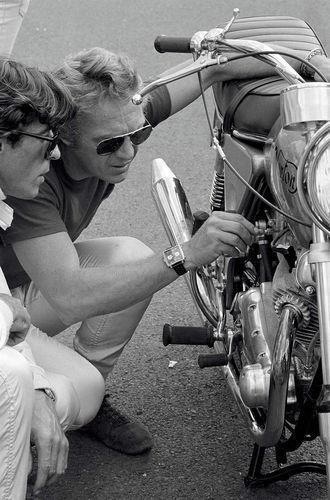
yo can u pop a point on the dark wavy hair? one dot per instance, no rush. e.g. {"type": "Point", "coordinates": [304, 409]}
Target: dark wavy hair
{"type": "Point", "coordinates": [28, 94]}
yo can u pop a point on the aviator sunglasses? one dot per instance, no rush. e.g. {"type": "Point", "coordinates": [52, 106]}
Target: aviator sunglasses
{"type": "Point", "coordinates": [53, 140]}
{"type": "Point", "coordinates": [111, 145]}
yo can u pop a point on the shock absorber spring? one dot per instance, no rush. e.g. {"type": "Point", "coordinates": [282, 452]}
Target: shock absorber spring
{"type": "Point", "coordinates": [217, 198]}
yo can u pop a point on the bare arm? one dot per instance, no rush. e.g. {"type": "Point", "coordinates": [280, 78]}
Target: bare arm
{"type": "Point", "coordinates": [77, 293]}
{"type": "Point", "coordinates": [183, 92]}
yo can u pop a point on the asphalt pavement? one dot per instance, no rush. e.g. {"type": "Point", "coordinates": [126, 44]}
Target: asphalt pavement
{"type": "Point", "coordinates": [201, 447]}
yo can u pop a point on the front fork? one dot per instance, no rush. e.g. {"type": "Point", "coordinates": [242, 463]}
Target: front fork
{"type": "Point", "coordinates": [320, 260]}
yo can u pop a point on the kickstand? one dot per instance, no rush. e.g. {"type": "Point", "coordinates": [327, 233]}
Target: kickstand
{"type": "Point", "coordinates": [256, 478]}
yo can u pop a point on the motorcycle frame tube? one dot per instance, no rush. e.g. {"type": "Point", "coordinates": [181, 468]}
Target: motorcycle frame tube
{"type": "Point", "coordinates": [320, 259]}
{"type": "Point", "coordinates": [267, 431]}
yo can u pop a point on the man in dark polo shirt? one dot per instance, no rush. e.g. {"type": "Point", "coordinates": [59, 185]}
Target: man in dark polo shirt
{"type": "Point", "coordinates": [106, 283]}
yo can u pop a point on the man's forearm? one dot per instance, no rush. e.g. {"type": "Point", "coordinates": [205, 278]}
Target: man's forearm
{"type": "Point", "coordinates": [183, 92]}
{"type": "Point", "coordinates": [97, 291]}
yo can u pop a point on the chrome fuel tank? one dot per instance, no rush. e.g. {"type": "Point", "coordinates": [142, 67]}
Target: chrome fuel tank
{"type": "Point", "coordinates": [283, 153]}
{"type": "Point", "coordinates": [304, 108]}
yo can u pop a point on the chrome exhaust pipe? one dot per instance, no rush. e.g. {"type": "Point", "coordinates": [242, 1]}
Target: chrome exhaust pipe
{"type": "Point", "coordinates": [171, 203]}
{"type": "Point", "coordinates": [174, 211]}
{"type": "Point", "coordinates": [266, 430]}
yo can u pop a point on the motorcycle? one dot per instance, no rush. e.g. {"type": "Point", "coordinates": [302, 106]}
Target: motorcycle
{"type": "Point", "coordinates": [266, 313]}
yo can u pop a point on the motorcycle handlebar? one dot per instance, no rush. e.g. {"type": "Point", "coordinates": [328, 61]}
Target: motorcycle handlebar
{"type": "Point", "coordinates": [178, 44]}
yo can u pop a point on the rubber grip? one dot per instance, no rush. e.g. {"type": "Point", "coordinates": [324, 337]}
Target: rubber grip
{"type": "Point", "coordinates": [165, 43]}
{"type": "Point", "coordinates": [188, 335]}
{"type": "Point", "coordinates": [199, 218]}
{"type": "Point", "coordinates": [208, 360]}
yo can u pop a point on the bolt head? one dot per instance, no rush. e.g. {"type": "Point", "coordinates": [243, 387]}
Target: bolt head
{"type": "Point", "coordinates": [310, 290]}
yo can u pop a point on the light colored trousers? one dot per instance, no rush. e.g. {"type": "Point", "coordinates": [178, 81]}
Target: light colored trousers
{"type": "Point", "coordinates": [100, 339]}
{"type": "Point", "coordinates": [11, 17]}
{"type": "Point", "coordinates": [16, 406]}
{"type": "Point", "coordinates": [79, 390]}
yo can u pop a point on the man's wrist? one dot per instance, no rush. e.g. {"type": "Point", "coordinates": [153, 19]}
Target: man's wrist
{"type": "Point", "coordinates": [189, 263]}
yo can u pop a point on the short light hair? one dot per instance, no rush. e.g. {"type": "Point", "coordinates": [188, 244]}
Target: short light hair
{"type": "Point", "coordinates": [28, 94]}
{"type": "Point", "coordinates": [97, 73]}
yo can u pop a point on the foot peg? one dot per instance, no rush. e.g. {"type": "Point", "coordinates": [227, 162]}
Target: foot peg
{"type": "Point", "coordinates": [208, 360]}
{"type": "Point", "coordinates": [189, 335]}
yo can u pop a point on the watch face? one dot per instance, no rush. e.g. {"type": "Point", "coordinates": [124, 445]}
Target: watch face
{"type": "Point", "coordinates": [173, 256]}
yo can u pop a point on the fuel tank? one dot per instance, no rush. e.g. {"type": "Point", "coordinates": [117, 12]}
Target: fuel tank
{"type": "Point", "coordinates": [282, 154]}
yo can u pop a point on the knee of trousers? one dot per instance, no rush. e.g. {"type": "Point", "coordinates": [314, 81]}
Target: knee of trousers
{"type": "Point", "coordinates": [132, 249]}
{"type": "Point", "coordinates": [79, 401]}
{"type": "Point", "coordinates": [95, 389]}
{"type": "Point", "coordinates": [107, 251]}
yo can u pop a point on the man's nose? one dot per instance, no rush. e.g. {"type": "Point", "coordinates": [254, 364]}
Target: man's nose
{"type": "Point", "coordinates": [126, 151]}
{"type": "Point", "coordinates": [55, 154]}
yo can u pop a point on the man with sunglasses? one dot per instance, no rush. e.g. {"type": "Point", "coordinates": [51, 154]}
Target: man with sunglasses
{"type": "Point", "coordinates": [105, 283]}
{"type": "Point", "coordinates": [39, 399]}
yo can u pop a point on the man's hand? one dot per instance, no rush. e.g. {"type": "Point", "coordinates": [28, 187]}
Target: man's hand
{"type": "Point", "coordinates": [222, 233]}
{"type": "Point", "coordinates": [51, 443]}
{"type": "Point", "coordinates": [21, 322]}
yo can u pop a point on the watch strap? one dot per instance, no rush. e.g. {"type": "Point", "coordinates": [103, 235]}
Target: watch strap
{"type": "Point", "coordinates": [179, 268]}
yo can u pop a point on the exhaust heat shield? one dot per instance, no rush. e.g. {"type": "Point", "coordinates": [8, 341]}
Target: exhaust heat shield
{"type": "Point", "coordinates": [171, 202]}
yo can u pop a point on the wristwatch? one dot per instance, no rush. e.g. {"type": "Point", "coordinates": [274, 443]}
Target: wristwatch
{"type": "Point", "coordinates": [174, 258]}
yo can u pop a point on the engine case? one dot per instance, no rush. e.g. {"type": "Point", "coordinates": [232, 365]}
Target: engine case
{"type": "Point", "coordinates": [259, 327]}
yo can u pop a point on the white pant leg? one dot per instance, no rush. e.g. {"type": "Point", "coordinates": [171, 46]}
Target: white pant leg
{"type": "Point", "coordinates": [16, 407]}
{"type": "Point", "coordinates": [78, 386]}
{"type": "Point", "coordinates": [100, 339]}
{"type": "Point", "coordinates": [11, 17]}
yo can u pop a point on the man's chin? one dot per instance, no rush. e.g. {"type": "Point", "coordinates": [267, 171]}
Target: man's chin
{"type": "Point", "coordinates": [117, 179]}
{"type": "Point", "coordinates": [27, 193]}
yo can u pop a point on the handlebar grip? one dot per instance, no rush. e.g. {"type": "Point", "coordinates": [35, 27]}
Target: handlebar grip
{"type": "Point", "coordinates": [165, 43]}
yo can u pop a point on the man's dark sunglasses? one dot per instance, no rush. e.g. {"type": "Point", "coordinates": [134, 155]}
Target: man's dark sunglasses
{"type": "Point", "coordinates": [111, 145]}
{"type": "Point", "coordinates": [52, 139]}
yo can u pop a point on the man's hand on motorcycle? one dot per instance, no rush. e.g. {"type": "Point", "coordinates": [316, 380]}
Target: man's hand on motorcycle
{"type": "Point", "coordinates": [21, 319]}
{"type": "Point", "coordinates": [50, 440]}
{"type": "Point", "coordinates": [222, 233]}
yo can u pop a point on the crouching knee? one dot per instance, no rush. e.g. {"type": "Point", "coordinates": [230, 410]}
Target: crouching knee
{"type": "Point", "coordinates": [90, 393]}
{"type": "Point", "coordinates": [111, 251]}
{"type": "Point", "coordinates": [132, 249]}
